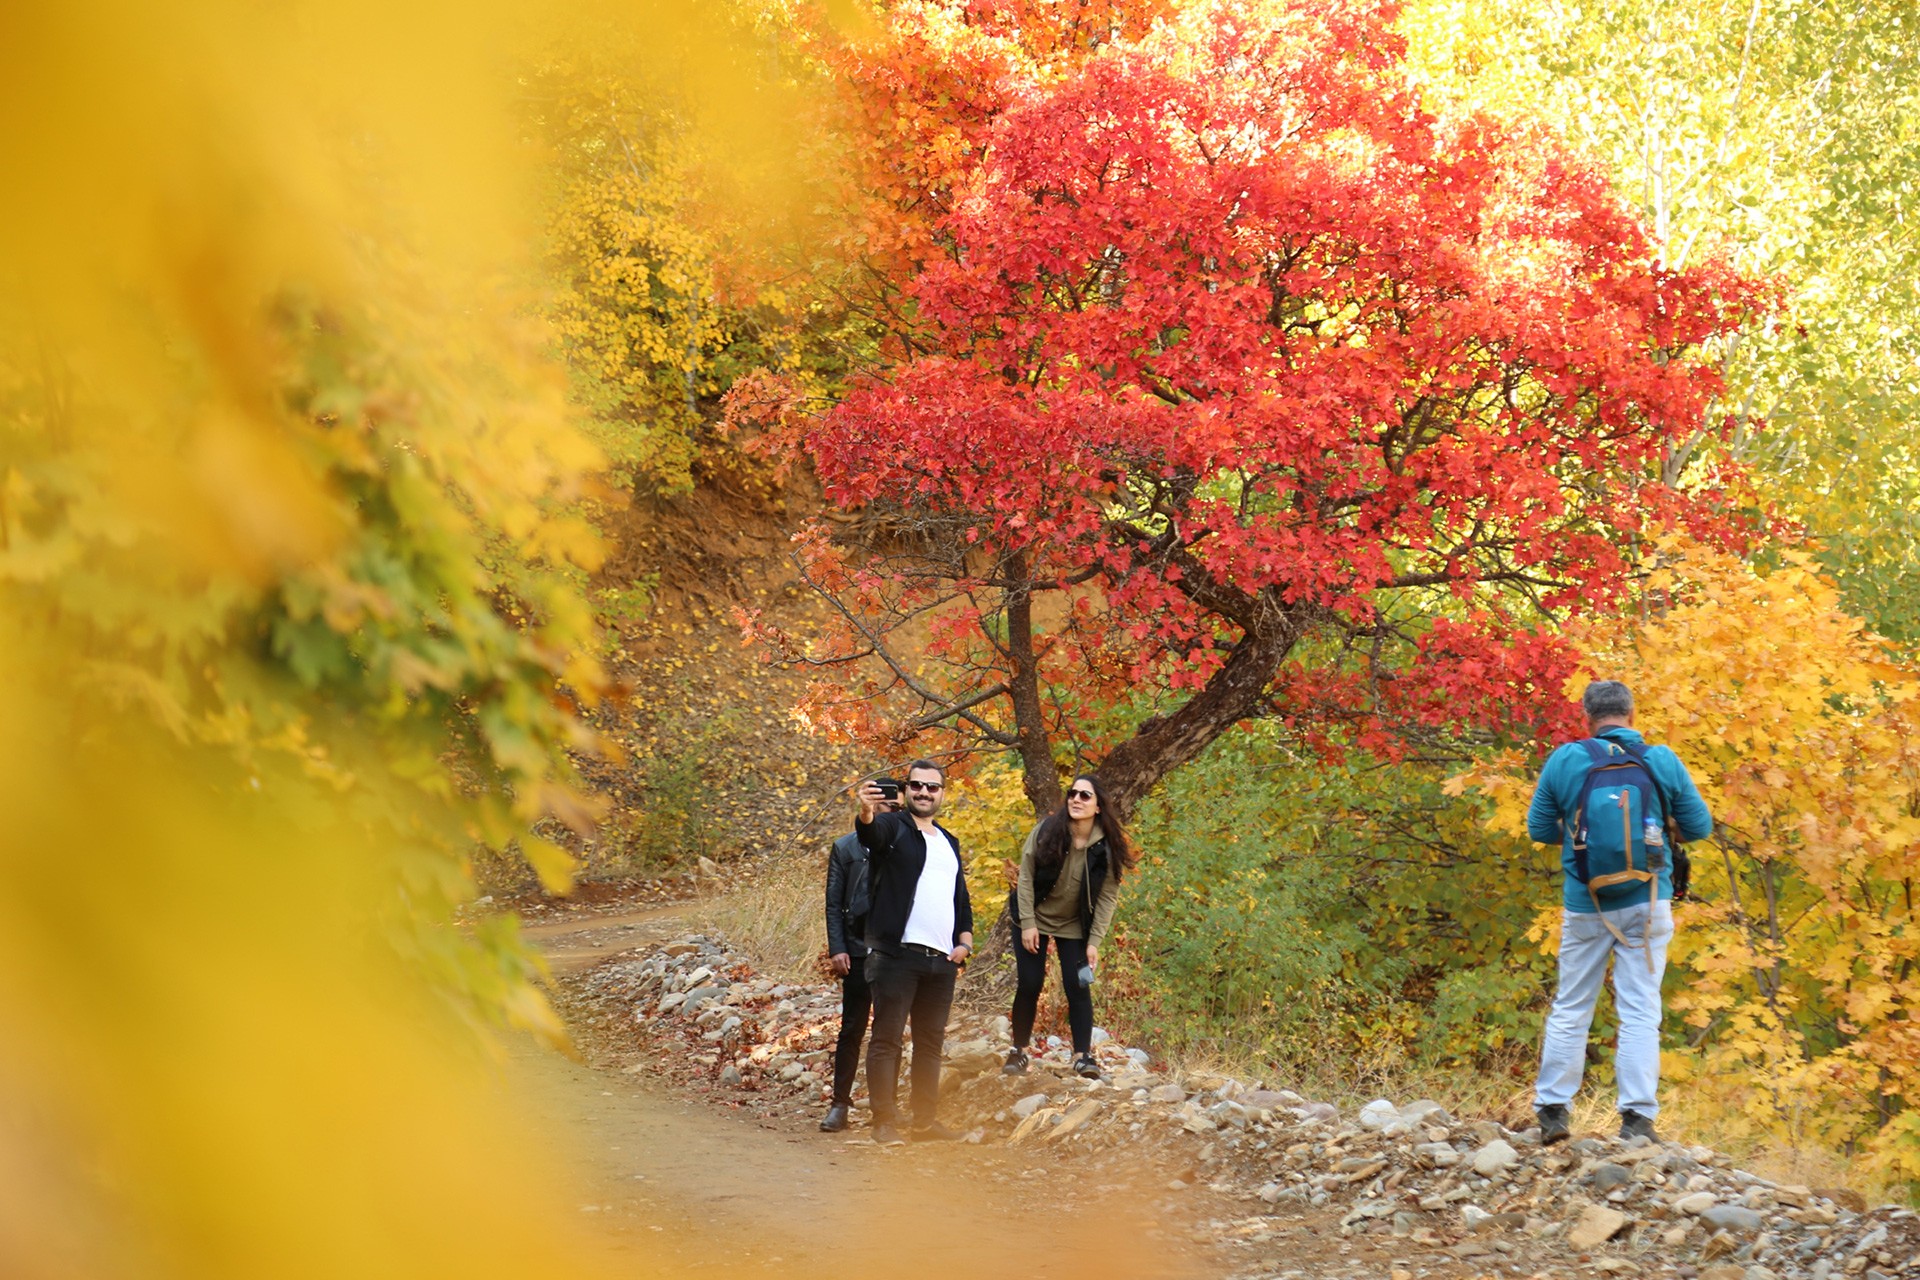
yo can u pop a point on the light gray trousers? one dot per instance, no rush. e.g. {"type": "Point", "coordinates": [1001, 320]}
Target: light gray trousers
{"type": "Point", "coordinates": [1586, 945]}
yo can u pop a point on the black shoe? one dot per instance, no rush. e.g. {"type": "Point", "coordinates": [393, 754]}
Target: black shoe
{"type": "Point", "coordinates": [935, 1132]}
{"type": "Point", "coordinates": [887, 1136]}
{"type": "Point", "coordinates": [1084, 1065]}
{"type": "Point", "coordinates": [1016, 1062]}
{"type": "Point", "coordinates": [1635, 1125]}
{"type": "Point", "coordinates": [1553, 1124]}
{"type": "Point", "coordinates": [836, 1119]}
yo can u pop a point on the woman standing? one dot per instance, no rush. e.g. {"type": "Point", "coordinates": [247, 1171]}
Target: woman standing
{"type": "Point", "coordinates": [1070, 869]}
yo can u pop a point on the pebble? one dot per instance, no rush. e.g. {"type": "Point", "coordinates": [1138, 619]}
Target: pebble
{"type": "Point", "coordinates": [1594, 1227]}
{"type": "Point", "coordinates": [1411, 1174]}
{"type": "Point", "coordinates": [1605, 1177]}
{"type": "Point", "coordinates": [1732, 1217]}
{"type": "Point", "coordinates": [1495, 1157]}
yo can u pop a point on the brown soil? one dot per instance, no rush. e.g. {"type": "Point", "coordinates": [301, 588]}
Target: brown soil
{"type": "Point", "coordinates": [700, 1185]}
{"type": "Point", "coordinates": [686, 1189]}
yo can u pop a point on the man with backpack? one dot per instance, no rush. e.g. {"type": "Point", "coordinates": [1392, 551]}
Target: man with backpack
{"type": "Point", "coordinates": [1619, 810]}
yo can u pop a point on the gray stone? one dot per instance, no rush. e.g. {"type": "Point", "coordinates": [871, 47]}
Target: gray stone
{"type": "Point", "coordinates": [1316, 1112]}
{"type": "Point", "coordinates": [1266, 1099]}
{"type": "Point", "coordinates": [1697, 1203]}
{"type": "Point", "coordinates": [792, 1071]}
{"type": "Point", "coordinates": [1494, 1157]}
{"type": "Point", "coordinates": [1028, 1105]}
{"type": "Point", "coordinates": [1587, 1147]}
{"type": "Point", "coordinates": [1168, 1093]}
{"type": "Point", "coordinates": [1100, 1037]}
{"type": "Point", "coordinates": [730, 1075]}
{"type": "Point", "coordinates": [1733, 1217]}
{"type": "Point", "coordinates": [1229, 1113]}
{"type": "Point", "coordinates": [1425, 1111]}
{"type": "Point", "coordinates": [699, 996]}
{"type": "Point", "coordinates": [1758, 1272]}
{"type": "Point", "coordinates": [1378, 1114]}
{"type": "Point", "coordinates": [1606, 1177]}
{"type": "Point", "coordinates": [1438, 1155]}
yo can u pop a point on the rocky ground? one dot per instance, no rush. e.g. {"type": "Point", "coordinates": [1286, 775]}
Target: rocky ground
{"type": "Point", "coordinates": [1397, 1191]}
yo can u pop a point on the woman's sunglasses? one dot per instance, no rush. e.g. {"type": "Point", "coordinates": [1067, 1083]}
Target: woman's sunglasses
{"type": "Point", "coordinates": [1079, 793]}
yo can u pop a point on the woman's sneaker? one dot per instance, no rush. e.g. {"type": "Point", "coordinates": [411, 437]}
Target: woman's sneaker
{"type": "Point", "coordinates": [1553, 1124]}
{"type": "Point", "coordinates": [1085, 1065]}
{"type": "Point", "coordinates": [1016, 1063]}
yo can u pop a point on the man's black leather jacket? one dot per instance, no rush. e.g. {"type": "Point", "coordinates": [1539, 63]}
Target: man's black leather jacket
{"type": "Point", "coordinates": [847, 897]}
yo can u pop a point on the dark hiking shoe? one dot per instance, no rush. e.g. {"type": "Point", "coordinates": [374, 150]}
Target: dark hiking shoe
{"type": "Point", "coordinates": [1553, 1124]}
{"type": "Point", "coordinates": [887, 1136]}
{"type": "Point", "coordinates": [1635, 1125]}
{"type": "Point", "coordinates": [836, 1119]}
{"type": "Point", "coordinates": [935, 1132]}
{"type": "Point", "coordinates": [1084, 1065]}
{"type": "Point", "coordinates": [1016, 1063]}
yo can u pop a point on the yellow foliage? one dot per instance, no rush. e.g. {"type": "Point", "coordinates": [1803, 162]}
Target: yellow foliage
{"type": "Point", "coordinates": [290, 578]}
{"type": "Point", "coordinates": [990, 813]}
{"type": "Point", "coordinates": [1799, 959]}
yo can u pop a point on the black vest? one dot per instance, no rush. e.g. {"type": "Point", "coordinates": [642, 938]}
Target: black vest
{"type": "Point", "coordinates": [1046, 877]}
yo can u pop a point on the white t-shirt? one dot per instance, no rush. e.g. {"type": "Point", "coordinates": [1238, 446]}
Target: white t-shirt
{"type": "Point", "coordinates": [930, 923]}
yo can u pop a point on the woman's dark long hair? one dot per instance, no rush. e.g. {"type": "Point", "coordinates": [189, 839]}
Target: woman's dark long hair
{"type": "Point", "coordinates": [1055, 837]}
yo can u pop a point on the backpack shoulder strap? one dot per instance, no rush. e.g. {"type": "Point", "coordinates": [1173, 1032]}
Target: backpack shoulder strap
{"type": "Point", "coordinates": [1639, 750]}
{"type": "Point", "coordinates": [1597, 757]}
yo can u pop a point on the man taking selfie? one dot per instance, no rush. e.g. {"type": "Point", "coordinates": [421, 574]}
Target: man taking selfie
{"type": "Point", "coordinates": [919, 932]}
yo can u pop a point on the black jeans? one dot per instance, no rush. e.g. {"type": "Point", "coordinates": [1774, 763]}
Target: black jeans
{"type": "Point", "coordinates": [910, 987]}
{"type": "Point", "coordinates": [1030, 973]}
{"type": "Point", "coordinates": [855, 1003]}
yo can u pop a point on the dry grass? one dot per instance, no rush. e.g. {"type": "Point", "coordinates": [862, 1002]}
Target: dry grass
{"type": "Point", "coordinates": [777, 920]}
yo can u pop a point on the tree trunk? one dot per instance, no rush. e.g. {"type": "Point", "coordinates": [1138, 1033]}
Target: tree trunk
{"type": "Point", "coordinates": [1162, 745]}
{"type": "Point", "coordinates": [1039, 775]}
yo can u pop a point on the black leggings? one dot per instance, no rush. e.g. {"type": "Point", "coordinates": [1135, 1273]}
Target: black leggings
{"type": "Point", "coordinates": [1030, 971]}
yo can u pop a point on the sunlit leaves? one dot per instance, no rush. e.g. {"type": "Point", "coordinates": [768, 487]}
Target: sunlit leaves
{"type": "Point", "coordinates": [1219, 341]}
{"type": "Point", "coordinates": [1803, 733]}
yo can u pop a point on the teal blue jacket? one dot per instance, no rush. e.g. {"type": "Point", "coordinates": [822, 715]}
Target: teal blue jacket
{"type": "Point", "coordinates": [1557, 795]}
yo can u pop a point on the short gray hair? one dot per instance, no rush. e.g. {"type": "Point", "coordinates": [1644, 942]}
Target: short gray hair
{"type": "Point", "coordinates": [1607, 700]}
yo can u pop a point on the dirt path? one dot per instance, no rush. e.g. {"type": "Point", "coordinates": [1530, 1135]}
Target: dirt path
{"type": "Point", "coordinates": [679, 1188]}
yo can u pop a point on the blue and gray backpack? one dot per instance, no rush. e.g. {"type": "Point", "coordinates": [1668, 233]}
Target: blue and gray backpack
{"type": "Point", "coordinates": [1625, 828]}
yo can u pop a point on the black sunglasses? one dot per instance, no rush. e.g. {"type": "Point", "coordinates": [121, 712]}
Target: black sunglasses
{"type": "Point", "coordinates": [923, 786]}
{"type": "Point", "coordinates": [1080, 793]}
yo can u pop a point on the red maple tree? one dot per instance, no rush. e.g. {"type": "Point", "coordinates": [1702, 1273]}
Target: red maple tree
{"type": "Point", "coordinates": [1226, 378]}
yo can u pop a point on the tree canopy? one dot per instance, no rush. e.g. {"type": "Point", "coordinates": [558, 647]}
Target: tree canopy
{"type": "Point", "coordinates": [1231, 372]}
